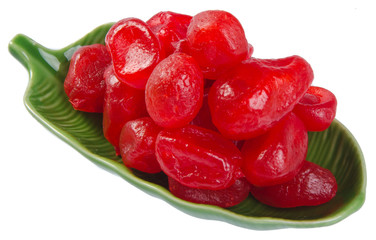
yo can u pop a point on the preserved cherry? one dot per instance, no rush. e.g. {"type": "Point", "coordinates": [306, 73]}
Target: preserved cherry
{"type": "Point", "coordinates": [170, 28]}
{"type": "Point", "coordinates": [276, 156]}
{"type": "Point", "coordinates": [217, 41]}
{"type": "Point", "coordinates": [122, 103]}
{"type": "Point", "coordinates": [84, 83]}
{"type": "Point", "coordinates": [317, 108]}
{"type": "Point", "coordinates": [313, 185]}
{"type": "Point", "coordinates": [135, 51]}
{"type": "Point", "coordinates": [174, 91]}
{"type": "Point", "coordinates": [256, 94]}
{"type": "Point", "coordinates": [184, 95]}
{"type": "Point", "coordinates": [137, 145]}
{"type": "Point", "coordinates": [225, 198]}
{"type": "Point", "coordinates": [198, 157]}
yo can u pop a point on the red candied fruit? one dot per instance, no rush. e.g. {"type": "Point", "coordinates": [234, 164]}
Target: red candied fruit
{"type": "Point", "coordinates": [217, 41]}
{"type": "Point", "coordinates": [197, 157]}
{"type": "Point", "coordinates": [135, 51]}
{"type": "Point", "coordinates": [84, 83]}
{"type": "Point", "coordinates": [174, 91]}
{"type": "Point", "coordinates": [276, 156]}
{"type": "Point", "coordinates": [170, 28]}
{"type": "Point", "coordinates": [137, 145]}
{"type": "Point", "coordinates": [317, 108]}
{"type": "Point", "coordinates": [225, 198]}
{"type": "Point", "coordinates": [256, 94]}
{"type": "Point", "coordinates": [122, 103]}
{"type": "Point", "coordinates": [312, 186]}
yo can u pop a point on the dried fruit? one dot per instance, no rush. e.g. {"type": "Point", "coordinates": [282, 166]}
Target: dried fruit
{"type": "Point", "coordinates": [84, 83]}
{"type": "Point", "coordinates": [184, 95]}
{"type": "Point", "coordinates": [137, 145]}
{"type": "Point", "coordinates": [174, 91]}
{"type": "Point", "coordinates": [276, 156]}
{"type": "Point", "coordinates": [198, 158]}
{"type": "Point", "coordinates": [317, 108]}
{"type": "Point", "coordinates": [313, 185]}
{"type": "Point", "coordinates": [227, 197]}
{"type": "Point", "coordinates": [135, 51]}
{"type": "Point", "coordinates": [170, 28]}
{"type": "Point", "coordinates": [122, 103]}
{"type": "Point", "coordinates": [256, 94]}
{"type": "Point", "coordinates": [217, 41]}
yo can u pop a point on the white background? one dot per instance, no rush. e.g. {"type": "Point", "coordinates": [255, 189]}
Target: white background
{"type": "Point", "coordinates": [49, 191]}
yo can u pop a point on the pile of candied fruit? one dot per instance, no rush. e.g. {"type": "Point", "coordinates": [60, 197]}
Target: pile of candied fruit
{"type": "Point", "coordinates": [184, 95]}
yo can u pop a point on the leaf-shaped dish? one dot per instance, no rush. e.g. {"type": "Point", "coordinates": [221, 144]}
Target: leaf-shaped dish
{"type": "Point", "coordinates": [335, 148]}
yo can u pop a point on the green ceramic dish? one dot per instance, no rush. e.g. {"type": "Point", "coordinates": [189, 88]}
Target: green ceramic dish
{"type": "Point", "coordinates": [335, 148]}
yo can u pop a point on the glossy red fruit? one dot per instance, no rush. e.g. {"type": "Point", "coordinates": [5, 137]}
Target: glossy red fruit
{"type": "Point", "coordinates": [225, 198]}
{"type": "Point", "coordinates": [170, 27]}
{"type": "Point", "coordinates": [84, 83]}
{"type": "Point", "coordinates": [174, 91]}
{"type": "Point", "coordinates": [198, 157]}
{"type": "Point", "coordinates": [137, 145]}
{"type": "Point", "coordinates": [217, 41]}
{"type": "Point", "coordinates": [276, 156]}
{"type": "Point", "coordinates": [122, 103]}
{"type": "Point", "coordinates": [256, 94]}
{"type": "Point", "coordinates": [312, 186]}
{"type": "Point", "coordinates": [135, 51]}
{"type": "Point", "coordinates": [317, 108]}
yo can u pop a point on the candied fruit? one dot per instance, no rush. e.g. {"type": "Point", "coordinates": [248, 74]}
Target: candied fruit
{"type": "Point", "coordinates": [135, 51]}
{"type": "Point", "coordinates": [313, 185]}
{"type": "Point", "coordinates": [122, 103]}
{"type": "Point", "coordinates": [256, 94]}
{"type": "Point", "coordinates": [217, 41]}
{"type": "Point", "coordinates": [317, 108]}
{"type": "Point", "coordinates": [225, 198]}
{"type": "Point", "coordinates": [170, 28]}
{"type": "Point", "coordinates": [84, 83]}
{"type": "Point", "coordinates": [174, 91]}
{"type": "Point", "coordinates": [137, 145]}
{"type": "Point", "coordinates": [197, 157]}
{"type": "Point", "coordinates": [276, 156]}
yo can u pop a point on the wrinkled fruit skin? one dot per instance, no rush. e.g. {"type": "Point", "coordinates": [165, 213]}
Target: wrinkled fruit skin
{"type": "Point", "coordinates": [225, 198]}
{"type": "Point", "coordinates": [217, 41]}
{"type": "Point", "coordinates": [256, 94]}
{"type": "Point", "coordinates": [276, 156]}
{"type": "Point", "coordinates": [174, 91]}
{"type": "Point", "coordinates": [137, 145]}
{"type": "Point", "coordinates": [312, 186]}
{"type": "Point", "coordinates": [84, 83]}
{"type": "Point", "coordinates": [317, 108]}
{"type": "Point", "coordinates": [122, 103]}
{"type": "Point", "coordinates": [198, 158]}
{"type": "Point", "coordinates": [170, 28]}
{"type": "Point", "coordinates": [135, 51]}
